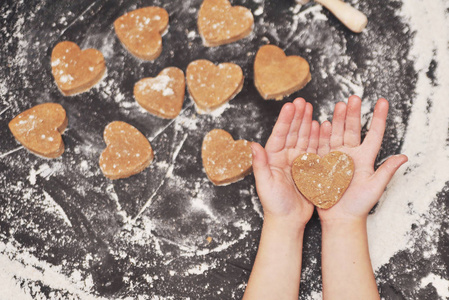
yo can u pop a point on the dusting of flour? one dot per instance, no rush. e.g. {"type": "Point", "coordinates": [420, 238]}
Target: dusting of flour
{"type": "Point", "coordinates": [405, 203]}
{"type": "Point", "coordinates": [425, 142]}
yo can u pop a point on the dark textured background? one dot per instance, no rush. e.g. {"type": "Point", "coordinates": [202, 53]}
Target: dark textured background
{"type": "Point", "coordinates": [176, 241]}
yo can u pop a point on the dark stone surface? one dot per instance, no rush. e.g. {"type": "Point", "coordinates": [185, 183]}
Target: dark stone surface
{"type": "Point", "coordinates": [176, 240]}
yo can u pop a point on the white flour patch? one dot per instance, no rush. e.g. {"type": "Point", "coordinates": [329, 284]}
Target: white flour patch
{"type": "Point", "coordinates": [142, 235]}
{"type": "Point", "coordinates": [440, 284]}
{"type": "Point", "coordinates": [196, 270]}
{"type": "Point", "coordinates": [316, 296]}
{"type": "Point", "coordinates": [254, 200]}
{"type": "Point", "coordinates": [191, 35]}
{"type": "Point", "coordinates": [11, 152]}
{"type": "Point", "coordinates": [160, 83]}
{"type": "Point", "coordinates": [25, 266]}
{"type": "Point", "coordinates": [44, 171]}
{"type": "Point", "coordinates": [199, 204]}
{"type": "Point", "coordinates": [245, 229]}
{"type": "Point", "coordinates": [113, 195]}
{"type": "Point", "coordinates": [258, 11]}
{"type": "Point", "coordinates": [219, 110]}
{"type": "Point", "coordinates": [53, 207]}
{"type": "Point", "coordinates": [85, 168]}
{"type": "Point", "coordinates": [8, 285]}
{"type": "Point", "coordinates": [425, 138]}
{"type": "Point", "coordinates": [187, 122]}
{"type": "Point", "coordinates": [315, 11]}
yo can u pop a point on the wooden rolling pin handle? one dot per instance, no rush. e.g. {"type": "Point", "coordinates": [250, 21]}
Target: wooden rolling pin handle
{"type": "Point", "coordinates": [354, 19]}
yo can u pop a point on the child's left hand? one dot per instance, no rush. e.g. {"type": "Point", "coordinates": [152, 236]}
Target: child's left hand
{"type": "Point", "coordinates": [367, 185]}
{"type": "Point", "coordinates": [293, 134]}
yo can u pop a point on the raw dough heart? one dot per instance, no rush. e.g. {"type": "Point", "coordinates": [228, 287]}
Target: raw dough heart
{"type": "Point", "coordinates": [323, 181]}
{"type": "Point", "coordinates": [140, 31]}
{"type": "Point", "coordinates": [76, 71]}
{"type": "Point", "coordinates": [39, 129]}
{"type": "Point", "coordinates": [128, 151]}
{"type": "Point", "coordinates": [225, 160]}
{"type": "Point", "coordinates": [162, 95]}
{"type": "Point", "coordinates": [212, 86]}
{"type": "Point", "coordinates": [277, 75]}
{"type": "Point", "coordinates": [219, 23]}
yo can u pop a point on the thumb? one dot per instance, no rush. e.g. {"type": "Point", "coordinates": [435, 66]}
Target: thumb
{"type": "Point", "coordinates": [386, 171]}
{"type": "Point", "coordinates": [262, 171]}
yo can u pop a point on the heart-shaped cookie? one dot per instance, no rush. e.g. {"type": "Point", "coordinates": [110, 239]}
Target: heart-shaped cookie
{"type": "Point", "coordinates": [76, 71]}
{"type": "Point", "coordinates": [219, 23]}
{"type": "Point", "coordinates": [225, 160]}
{"type": "Point", "coordinates": [39, 129]}
{"type": "Point", "coordinates": [162, 95]}
{"type": "Point", "coordinates": [140, 31]}
{"type": "Point", "coordinates": [323, 181]}
{"type": "Point", "coordinates": [277, 75]}
{"type": "Point", "coordinates": [212, 86]}
{"type": "Point", "coordinates": [128, 151]}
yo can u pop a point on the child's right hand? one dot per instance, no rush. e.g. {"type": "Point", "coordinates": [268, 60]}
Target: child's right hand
{"type": "Point", "coordinates": [294, 133]}
{"type": "Point", "coordinates": [277, 269]}
{"type": "Point", "coordinates": [367, 185]}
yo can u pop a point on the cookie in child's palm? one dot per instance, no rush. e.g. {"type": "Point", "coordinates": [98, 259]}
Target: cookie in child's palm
{"type": "Point", "coordinates": [323, 181]}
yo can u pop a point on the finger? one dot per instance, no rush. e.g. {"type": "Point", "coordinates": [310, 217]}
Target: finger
{"type": "Point", "coordinates": [304, 130]}
{"type": "Point", "coordinates": [353, 125]}
{"type": "Point", "coordinates": [261, 169]}
{"type": "Point", "coordinates": [292, 136]}
{"type": "Point", "coordinates": [314, 137]}
{"type": "Point", "coordinates": [324, 146]}
{"type": "Point", "coordinates": [373, 139]}
{"type": "Point", "coordinates": [277, 139]}
{"type": "Point", "coordinates": [385, 172]}
{"type": "Point", "coordinates": [338, 125]}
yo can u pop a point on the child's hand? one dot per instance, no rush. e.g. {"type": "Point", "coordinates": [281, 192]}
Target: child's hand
{"type": "Point", "coordinates": [286, 211]}
{"type": "Point", "coordinates": [345, 254]}
{"type": "Point", "coordinates": [344, 135]}
{"type": "Point", "coordinates": [293, 134]}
